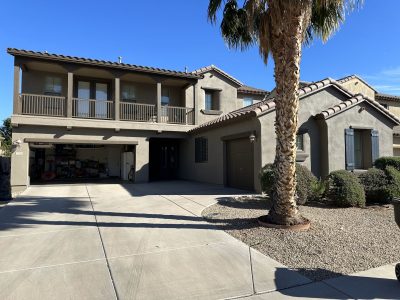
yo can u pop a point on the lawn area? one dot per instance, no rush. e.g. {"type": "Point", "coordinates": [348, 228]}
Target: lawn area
{"type": "Point", "coordinates": [340, 241]}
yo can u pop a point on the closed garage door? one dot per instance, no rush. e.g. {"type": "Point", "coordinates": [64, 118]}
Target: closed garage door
{"type": "Point", "coordinates": [240, 164]}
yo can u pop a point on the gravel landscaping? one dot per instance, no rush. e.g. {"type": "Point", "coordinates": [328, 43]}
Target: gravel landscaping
{"type": "Point", "coordinates": [340, 241]}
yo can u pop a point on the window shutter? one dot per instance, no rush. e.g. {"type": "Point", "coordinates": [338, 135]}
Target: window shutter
{"type": "Point", "coordinates": [375, 145]}
{"type": "Point", "coordinates": [349, 144]}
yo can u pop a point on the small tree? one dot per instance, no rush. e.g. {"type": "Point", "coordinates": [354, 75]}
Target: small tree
{"type": "Point", "coordinates": [6, 133]}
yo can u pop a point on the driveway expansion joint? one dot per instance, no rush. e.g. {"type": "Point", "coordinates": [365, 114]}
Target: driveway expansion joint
{"type": "Point", "coordinates": [102, 245]}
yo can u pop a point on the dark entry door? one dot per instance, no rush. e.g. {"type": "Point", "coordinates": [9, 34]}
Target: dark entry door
{"type": "Point", "coordinates": [240, 164]}
{"type": "Point", "coordinates": [164, 159]}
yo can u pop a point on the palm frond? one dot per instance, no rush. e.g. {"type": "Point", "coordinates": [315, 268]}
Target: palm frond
{"type": "Point", "coordinates": [213, 7]}
{"type": "Point", "coordinates": [327, 16]}
{"type": "Point", "coordinates": [235, 26]}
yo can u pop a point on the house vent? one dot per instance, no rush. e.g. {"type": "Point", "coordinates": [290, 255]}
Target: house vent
{"type": "Point", "coordinates": [119, 59]}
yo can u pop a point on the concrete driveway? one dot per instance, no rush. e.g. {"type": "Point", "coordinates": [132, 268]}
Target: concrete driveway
{"type": "Point", "coordinates": [142, 241]}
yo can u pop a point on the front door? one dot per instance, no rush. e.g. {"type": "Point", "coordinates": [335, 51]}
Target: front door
{"type": "Point", "coordinates": [240, 164]}
{"type": "Point", "coordinates": [163, 159]}
{"type": "Point", "coordinates": [358, 149]}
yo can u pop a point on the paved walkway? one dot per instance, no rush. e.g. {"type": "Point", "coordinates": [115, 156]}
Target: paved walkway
{"type": "Point", "coordinates": [145, 241]}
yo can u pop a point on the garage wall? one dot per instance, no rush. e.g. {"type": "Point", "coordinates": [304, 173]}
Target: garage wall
{"type": "Point", "coordinates": [20, 159]}
{"type": "Point", "coordinates": [213, 171]}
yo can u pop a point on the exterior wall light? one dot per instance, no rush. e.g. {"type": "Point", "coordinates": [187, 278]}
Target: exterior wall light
{"type": "Point", "coordinates": [252, 138]}
{"type": "Point", "coordinates": [15, 145]}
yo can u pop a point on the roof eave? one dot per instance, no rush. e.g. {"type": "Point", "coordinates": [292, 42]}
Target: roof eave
{"type": "Point", "coordinates": [100, 63]}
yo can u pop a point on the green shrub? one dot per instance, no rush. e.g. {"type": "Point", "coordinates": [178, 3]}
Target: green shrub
{"type": "Point", "coordinates": [344, 189]}
{"type": "Point", "coordinates": [375, 185]}
{"type": "Point", "coordinates": [307, 184]}
{"type": "Point", "coordinates": [383, 162]}
{"type": "Point", "coordinates": [267, 179]}
{"type": "Point", "coordinates": [393, 183]}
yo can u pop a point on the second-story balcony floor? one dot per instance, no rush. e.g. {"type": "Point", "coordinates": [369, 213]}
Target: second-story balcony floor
{"type": "Point", "coordinates": [56, 106]}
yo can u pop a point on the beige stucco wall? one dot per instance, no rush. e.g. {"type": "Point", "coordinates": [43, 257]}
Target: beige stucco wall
{"type": "Point", "coordinates": [20, 157]}
{"type": "Point", "coordinates": [33, 82]}
{"type": "Point", "coordinates": [394, 107]}
{"type": "Point", "coordinates": [227, 97]}
{"type": "Point", "coordinates": [310, 105]}
{"type": "Point", "coordinates": [356, 86]}
{"type": "Point", "coordinates": [213, 171]}
{"type": "Point", "coordinates": [367, 118]}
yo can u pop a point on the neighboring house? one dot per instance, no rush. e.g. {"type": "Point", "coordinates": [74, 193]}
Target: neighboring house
{"type": "Point", "coordinates": [82, 118]}
{"type": "Point", "coordinates": [77, 118]}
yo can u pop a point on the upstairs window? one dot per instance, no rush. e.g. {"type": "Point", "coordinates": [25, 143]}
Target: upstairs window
{"type": "Point", "coordinates": [247, 101]}
{"type": "Point", "coordinates": [53, 86]}
{"type": "Point", "coordinates": [210, 101]}
{"type": "Point", "coordinates": [201, 149]}
{"type": "Point", "coordinates": [128, 93]}
{"type": "Point", "coordinates": [300, 142]}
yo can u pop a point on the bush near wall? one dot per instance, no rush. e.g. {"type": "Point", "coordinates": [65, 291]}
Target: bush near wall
{"type": "Point", "coordinates": [393, 184]}
{"type": "Point", "coordinates": [381, 185]}
{"type": "Point", "coordinates": [307, 184]}
{"type": "Point", "coordinates": [375, 183]}
{"type": "Point", "coordinates": [345, 190]}
{"type": "Point", "coordinates": [383, 162]}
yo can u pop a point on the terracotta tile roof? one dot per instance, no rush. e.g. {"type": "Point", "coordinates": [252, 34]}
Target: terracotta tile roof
{"type": "Point", "coordinates": [353, 101]}
{"type": "Point", "coordinates": [263, 107]}
{"type": "Point", "coordinates": [100, 63]}
{"type": "Point", "coordinates": [387, 97]}
{"type": "Point", "coordinates": [251, 90]}
{"type": "Point", "coordinates": [350, 77]}
{"type": "Point", "coordinates": [218, 70]}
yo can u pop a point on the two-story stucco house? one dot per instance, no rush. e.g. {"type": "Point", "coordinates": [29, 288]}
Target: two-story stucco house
{"type": "Point", "coordinates": [76, 119]}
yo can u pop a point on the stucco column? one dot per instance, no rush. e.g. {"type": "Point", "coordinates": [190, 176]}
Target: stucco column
{"type": "Point", "coordinates": [69, 94]}
{"type": "Point", "coordinates": [17, 107]}
{"type": "Point", "coordinates": [196, 103]}
{"type": "Point", "coordinates": [117, 98]}
{"type": "Point", "coordinates": [19, 179]}
{"type": "Point", "coordinates": [158, 101]}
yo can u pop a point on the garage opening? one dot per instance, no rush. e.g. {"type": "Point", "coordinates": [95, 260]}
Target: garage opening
{"type": "Point", "coordinates": [240, 164]}
{"type": "Point", "coordinates": [76, 162]}
{"type": "Point", "coordinates": [163, 159]}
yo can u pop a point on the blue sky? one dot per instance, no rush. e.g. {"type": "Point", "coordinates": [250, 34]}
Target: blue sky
{"type": "Point", "coordinates": [174, 34]}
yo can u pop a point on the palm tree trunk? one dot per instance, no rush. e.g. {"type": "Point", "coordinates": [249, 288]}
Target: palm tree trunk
{"type": "Point", "coordinates": [288, 20]}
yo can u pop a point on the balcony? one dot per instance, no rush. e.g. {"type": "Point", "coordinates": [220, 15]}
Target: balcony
{"type": "Point", "coordinates": [56, 106]}
{"type": "Point", "coordinates": [43, 105]}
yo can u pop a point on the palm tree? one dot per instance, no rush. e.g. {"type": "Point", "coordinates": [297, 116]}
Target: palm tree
{"type": "Point", "coordinates": [280, 27]}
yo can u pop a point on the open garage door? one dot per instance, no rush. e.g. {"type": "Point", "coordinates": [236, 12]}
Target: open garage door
{"type": "Point", "coordinates": [74, 162]}
{"type": "Point", "coordinates": [240, 164]}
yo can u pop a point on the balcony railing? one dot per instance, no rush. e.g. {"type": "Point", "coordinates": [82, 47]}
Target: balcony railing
{"type": "Point", "coordinates": [42, 105]}
{"type": "Point", "coordinates": [45, 105]}
{"type": "Point", "coordinates": [92, 109]}
{"type": "Point", "coordinates": [138, 112]}
{"type": "Point", "coordinates": [177, 115]}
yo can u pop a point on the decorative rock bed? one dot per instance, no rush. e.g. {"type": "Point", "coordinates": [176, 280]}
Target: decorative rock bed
{"type": "Point", "coordinates": [340, 240]}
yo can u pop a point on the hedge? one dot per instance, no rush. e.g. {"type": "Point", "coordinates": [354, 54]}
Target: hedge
{"type": "Point", "coordinates": [385, 161]}
{"type": "Point", "coordinates": [375, 184]}
{"type": "Point", "coordinates": [345, 190]}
